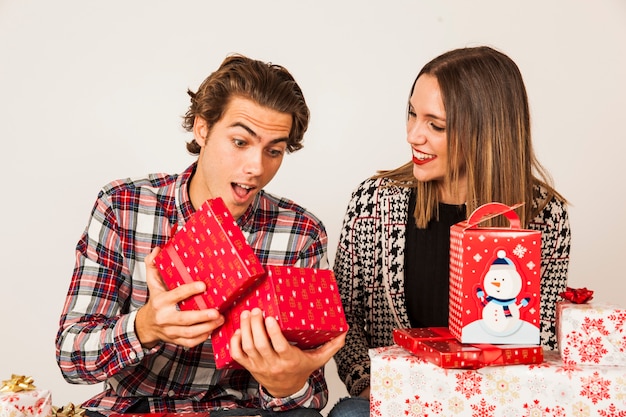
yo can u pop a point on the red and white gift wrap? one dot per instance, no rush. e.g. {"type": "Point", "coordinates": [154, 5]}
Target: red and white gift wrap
{"type": "Point", "coordinates": [210, 247]}
{"type": "Point", "coordinates": [403, 384]}
{"type": "Point", "coordinates": [304, 301]}
{"type": "Point", "coordinates": [32, 403]}
{"type": "Point", "coordinates": [445, 351]}
{"type": "Point", "coordinates": [495, 275]}
{"type": "Point", "coordinates": [591, 334]}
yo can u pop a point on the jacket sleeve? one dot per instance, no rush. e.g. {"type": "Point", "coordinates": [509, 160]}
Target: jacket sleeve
{"type": "Point", "coordinates": [553, 222]}
{"type": "Point", "coordinates": [351, 269]}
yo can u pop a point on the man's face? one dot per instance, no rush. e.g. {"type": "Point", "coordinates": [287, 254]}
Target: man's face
{"type": "Point", "coordinates": [240, 154]}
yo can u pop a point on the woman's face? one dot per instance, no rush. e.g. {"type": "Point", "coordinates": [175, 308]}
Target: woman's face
{"type": "Point", "coordinates": [426, 130]}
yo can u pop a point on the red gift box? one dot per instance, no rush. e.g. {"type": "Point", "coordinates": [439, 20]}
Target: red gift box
{"type": "Point", "coordinates": [304, 301]}
{"type": "Point", "coordinates": [210, 247]}
{"type": "Point", "coordinates": [495, 275]}
{"type": "Point", "coordinates": [411, 338]}
{"type": "Point", "coordinates": [433, 345]}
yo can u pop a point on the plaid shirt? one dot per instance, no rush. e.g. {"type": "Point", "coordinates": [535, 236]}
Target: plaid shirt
{"type": "Point", "coordinates": [97, 342]}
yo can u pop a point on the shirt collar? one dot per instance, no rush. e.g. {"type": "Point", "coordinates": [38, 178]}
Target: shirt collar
{"type": "Point", "coordinates": [185, 208]}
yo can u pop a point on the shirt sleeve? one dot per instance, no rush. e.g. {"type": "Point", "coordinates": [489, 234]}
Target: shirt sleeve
{"type": "Point", "coordinates": [314, 395]}
{"type": "Point", "coordinates": [96, 336]}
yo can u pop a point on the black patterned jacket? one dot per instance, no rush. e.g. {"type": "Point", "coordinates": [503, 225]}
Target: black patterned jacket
{"type": "Point", "coordinates": [369, 266]}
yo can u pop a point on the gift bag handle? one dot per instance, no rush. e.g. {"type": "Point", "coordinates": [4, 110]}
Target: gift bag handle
{"type": "Point", "coordinates": [490, 210]}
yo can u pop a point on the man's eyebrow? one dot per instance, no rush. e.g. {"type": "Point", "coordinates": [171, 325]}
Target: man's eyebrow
{"type": "Point", "coordinates": [254, 134]}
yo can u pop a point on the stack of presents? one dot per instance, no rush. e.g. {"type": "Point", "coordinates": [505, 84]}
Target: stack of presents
{"type": "Point", "coordinates": [210, 247]}
{"type": "Point", "coordinates": [488, 361]}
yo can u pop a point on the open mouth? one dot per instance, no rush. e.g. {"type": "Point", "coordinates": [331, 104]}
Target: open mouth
{"type": "Point", "coordinates": [422, 158]}
{"type": "Point", "coordinates": [242, 190]}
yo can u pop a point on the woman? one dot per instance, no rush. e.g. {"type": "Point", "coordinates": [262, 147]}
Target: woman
{"type": "Point", "coordinates": [468, 125]}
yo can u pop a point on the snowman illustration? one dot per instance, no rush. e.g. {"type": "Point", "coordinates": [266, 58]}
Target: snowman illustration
{"type": "Point", "coordinates": [502, 284]}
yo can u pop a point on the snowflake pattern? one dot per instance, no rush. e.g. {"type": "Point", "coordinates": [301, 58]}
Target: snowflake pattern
{"type": "Point", "coordinates": [612, 411]}
{"type": "Point", "coordinates": [37, 403]}
{"type": "Point", "coordinates": [388, 381]}
{"type": "Point", "coordinates": [580, 409]}
{"type": "Point", "coordinates": [415, 407]}
{"type": "Point", "coordinates": [550, 389]}
{"type": "Point", "coordinates": [592, 351]}
{"type": "Point", "coordinates": [468, 383]}
{"type": "Point", "coordinates": [483, 409]}
{"type": "Point", "coordinates": [502, 385]}
{"type": "Point", "coordinates": [520, 251]}
{"type": "Point", "coordinates": [595, 388]}
{"type": "Point", "coordinates": [592, 334]}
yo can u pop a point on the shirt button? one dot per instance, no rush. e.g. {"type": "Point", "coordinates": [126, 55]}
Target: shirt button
{"type": "Point", "coordinates": [171, 393]}
{"type": "Point", "coordinates": [132, 355]}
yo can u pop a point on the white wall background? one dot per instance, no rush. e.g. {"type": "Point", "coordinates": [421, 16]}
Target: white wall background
{"type": "Point", "coordinates": [93, 91]}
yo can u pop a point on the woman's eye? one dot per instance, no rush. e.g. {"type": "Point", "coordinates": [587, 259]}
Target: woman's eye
{"type": "Point", "coordinates": [411, 113]}
{"type": "Point", "coordinates": [437, 128]}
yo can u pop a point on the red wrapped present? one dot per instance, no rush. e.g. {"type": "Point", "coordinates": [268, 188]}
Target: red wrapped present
{"type": "Point", "coordinates": [210, 247]}
{"type": "Point", "coordinates": [410, 338]}
{"type": "Point", "coordinates": [495, 277]}
{"type": "Point", "coordinates": [434, 345]}
{"type": "Point", "coordinates": [304, 301]}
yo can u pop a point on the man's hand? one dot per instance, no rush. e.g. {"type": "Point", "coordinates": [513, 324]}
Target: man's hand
{"type": "Point", "coordinates": [281, 368]}
{"type": "Point", "coordinates": [160, 320]}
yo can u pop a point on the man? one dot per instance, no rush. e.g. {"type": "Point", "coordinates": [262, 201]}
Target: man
{"type": "Point", "coordinates": [120, 325]}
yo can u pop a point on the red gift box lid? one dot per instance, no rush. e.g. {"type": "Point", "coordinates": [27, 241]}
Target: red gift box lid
{"type": "Point", "coordinates": [210, 247]}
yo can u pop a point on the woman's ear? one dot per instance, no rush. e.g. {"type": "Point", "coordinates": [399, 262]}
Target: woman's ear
{"type": "Point", "coordinates": [200, 130]}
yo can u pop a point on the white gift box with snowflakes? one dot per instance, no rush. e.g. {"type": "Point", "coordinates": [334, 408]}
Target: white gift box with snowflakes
{"type": "Point", "coordinates": [591, 334]}
{"type": "Point", "coordinates": [403, 384]}
{"type": "Point", "coordinates": [34, 403]}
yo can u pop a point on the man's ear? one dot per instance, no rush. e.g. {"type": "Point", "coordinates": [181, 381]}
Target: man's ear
{"type": "Point", "coordinates": [200, 130]}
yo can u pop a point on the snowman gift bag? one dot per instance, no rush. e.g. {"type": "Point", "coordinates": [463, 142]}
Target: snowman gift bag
{"type": "Point", "coordinates": [494, 279]}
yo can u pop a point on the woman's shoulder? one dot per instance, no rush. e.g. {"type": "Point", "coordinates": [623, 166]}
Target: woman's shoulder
{"type": "Point", "coordinates": [548, 204]}
{"type": "Point", "coordinates": [376, 186]}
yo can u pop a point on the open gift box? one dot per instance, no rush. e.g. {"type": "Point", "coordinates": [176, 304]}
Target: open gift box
{"type": "Point", "coordinates": [304, 301]}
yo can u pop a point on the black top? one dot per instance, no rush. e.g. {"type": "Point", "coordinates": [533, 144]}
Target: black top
{"type": "Point", "coordinates": [427, 266]}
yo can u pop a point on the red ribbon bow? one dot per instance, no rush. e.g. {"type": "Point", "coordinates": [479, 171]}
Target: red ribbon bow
{"type": "Point", "coordinates": [577, 295]}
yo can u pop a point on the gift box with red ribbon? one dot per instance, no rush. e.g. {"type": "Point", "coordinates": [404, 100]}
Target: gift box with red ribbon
{"type": "Point", "coordinates": [591, 334]}
{"type": "Point", "coordinates": [434, 345]}
{"type": "Point", "coordinates": [210, 247]}
{"type": "Point", "coordinates": [304, 301]}
{"type": "Point", "coordinates": [494, 279]}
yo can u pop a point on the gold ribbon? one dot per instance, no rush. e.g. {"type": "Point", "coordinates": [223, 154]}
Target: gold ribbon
{"type": "Point", "coordinates": [18, 383]}
{"type": "Point", "coordinates": [70, 410]}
